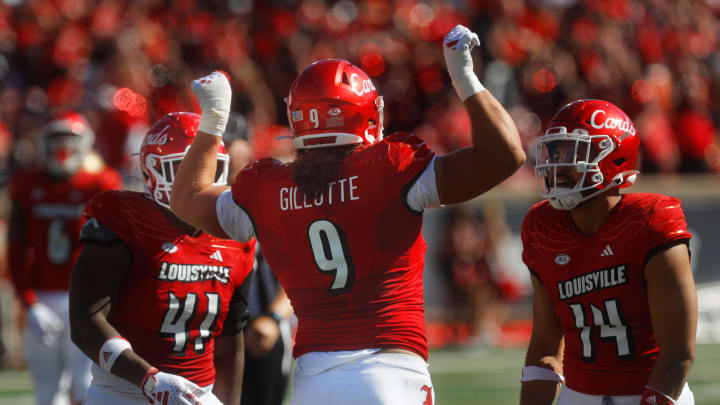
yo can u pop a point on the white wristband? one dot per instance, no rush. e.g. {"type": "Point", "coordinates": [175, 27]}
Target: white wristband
{"type": "Point", "coordinates": [110, 351]}
{"type": "Point", "coordinates": [467, 85]}
{"type": "Point", "coordinates": [535, 373]}
{"type": "Point", "coordinates": [456, 47]}
{"type": "Point", "coordinates": [213, 122]}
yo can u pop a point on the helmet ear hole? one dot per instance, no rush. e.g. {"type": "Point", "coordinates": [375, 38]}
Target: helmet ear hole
{"type": "Point", "coordinates": [345, 78]}
{"type": "Point", "coordinates": [619, 161]}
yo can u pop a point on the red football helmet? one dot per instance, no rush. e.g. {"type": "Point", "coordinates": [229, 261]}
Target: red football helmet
{"type": "Point", "coordinates": [598, 140]}
{"type": "Point", "coordinates": [164, 147]}
{"type": "Point", "coordinates": [65, 141]}
{"type": "Point", "coordinates": [332, 103]}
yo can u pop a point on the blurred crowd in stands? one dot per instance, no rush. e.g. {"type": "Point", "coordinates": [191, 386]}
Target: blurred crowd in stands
{"type": "Point", "coordinates": [125, 64]}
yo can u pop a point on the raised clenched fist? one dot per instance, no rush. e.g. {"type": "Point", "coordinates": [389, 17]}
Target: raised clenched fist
{"type": "Point", "coordinates": [214, 94]}
{"type": "Point", "coordinates": [456, 47]}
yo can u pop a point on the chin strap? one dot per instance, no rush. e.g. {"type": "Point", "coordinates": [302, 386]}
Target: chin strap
{"type": "Point", "coordinates": [572, 200]}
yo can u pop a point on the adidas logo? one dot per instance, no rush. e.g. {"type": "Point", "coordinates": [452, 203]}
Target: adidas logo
{"type": "Point", "coordinates": [651, 400]}
{"type": "Point", "coordinates": [607, 251]}
{"type": "Point", "coordinates": [106, 356]}
{"type": "Point", "coordinates": [216, 256]}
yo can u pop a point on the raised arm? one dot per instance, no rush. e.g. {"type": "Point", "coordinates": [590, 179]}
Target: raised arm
{"type": "Point", "coordinates": [496, 151]}
{"type": "Point", "coordinates": [542, 373]}
{"type": "Point", "coordinates": [193, 194]}
{"type": "Point", "coordinates": [672, 300]}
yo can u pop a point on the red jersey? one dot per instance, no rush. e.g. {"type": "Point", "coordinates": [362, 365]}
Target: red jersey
{"type": "Point", "coordinates": [178, 290]}
{"type": "Point", "coordinates": [52, 215]}
{"type": "Point", "coordinates": [351, 260]}
{"type": "Point", "coordinates": [597, 284]}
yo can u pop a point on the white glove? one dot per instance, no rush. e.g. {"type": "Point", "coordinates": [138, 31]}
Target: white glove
{"type": "Point", "coordinates": [44, 323]}
{"type": "Point", "coordinates": [214, 94]}
{"type": "Point", "coordinates": [169, 389]}
{"type": "Point", "coordinates": [457, 46]}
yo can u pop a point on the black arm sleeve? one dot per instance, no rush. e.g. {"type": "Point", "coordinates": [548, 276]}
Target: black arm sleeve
{"type": "Point", "coordinates": [93, 230]}
{"type": "Point", "coordinates": [238, 314]}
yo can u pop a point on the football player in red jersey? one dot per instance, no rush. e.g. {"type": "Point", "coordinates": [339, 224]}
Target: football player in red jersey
{"type": "Point", "coordinates": [45, 219]}
{"type": "Point", "coordinates": [157, 304]}
{"type": "Point", "coordinates": [615, 306]}
{"type": "Point", "coordinates": [341, 225]}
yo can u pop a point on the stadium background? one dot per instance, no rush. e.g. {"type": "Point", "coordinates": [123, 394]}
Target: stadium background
{"type": "Point", "coordinates": [125, 64]}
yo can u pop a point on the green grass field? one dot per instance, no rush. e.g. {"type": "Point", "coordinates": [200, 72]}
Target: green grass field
{"type": "Point", "coordinates": [491, 377]}
{"type": "Point", "coordinates": [462, 377]}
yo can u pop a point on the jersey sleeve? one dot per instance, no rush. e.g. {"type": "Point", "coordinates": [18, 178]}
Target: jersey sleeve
{"type": "Point", "coordinates": [667, 226]}
{"type": "Point", "coordinates": [668, 222]}
{"type": "Point", "coordinates": [529, 252]}
{"type": "Point", "coordinates": [238, 314]}
{"type": "Point", "coordinates": [105, 207]}
{"type": "Point", "coordinates": [245, 181]}
{"type": "Point", "coordinates": [94, 230]}
{"type": "Point", "coordinates": [423, 193]}
{"type": "Point", "coordinates": [408, 154]}
{"type": "Point", "coordinates": [406, 162]}
{"type": "Point", "coordinates": [232, 219]}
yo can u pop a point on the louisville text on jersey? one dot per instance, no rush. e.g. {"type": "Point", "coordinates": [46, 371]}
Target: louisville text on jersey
{"type": "Point", "coordinates": [338, 191]}
{"type": "Point", "coordinates": [593, 281]}
{"type": "Point", "coordinates": [191, 273]}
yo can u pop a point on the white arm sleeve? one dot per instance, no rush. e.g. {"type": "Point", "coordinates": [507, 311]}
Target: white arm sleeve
{"type": "Point", "coordinates": [233, 220]}
{"type": "Point", "coordinates": [423, 194]}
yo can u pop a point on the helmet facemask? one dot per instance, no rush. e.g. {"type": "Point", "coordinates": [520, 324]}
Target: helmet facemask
{"type": "Point", "coordinates": [164, 147]}
{"type": "Point", "coordinates": [599, 153]}
{"type": "Point", "coordinates": [559, 153]}
{"type": "Point", "coordinates": [162, 169]}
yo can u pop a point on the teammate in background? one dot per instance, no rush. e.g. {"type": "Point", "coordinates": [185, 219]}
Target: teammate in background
{"type": "Point", "coordinates": [268, 337]}
{"type": "Point", "coordinates": [341, 225]}
{"type": "Point", "coordinates": [45, 219]}
{"type": "Point", "coordinates": [615, 305]}
{"type": "Point", "coordinates": [174, 293]}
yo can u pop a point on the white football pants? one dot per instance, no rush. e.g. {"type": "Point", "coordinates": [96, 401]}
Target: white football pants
{"type": "Point", "coordinates": [570, 397]}
{"type": "Point", "coordinates": [60, 372]}
{"type": "Point", "coordinates": [362, 377]}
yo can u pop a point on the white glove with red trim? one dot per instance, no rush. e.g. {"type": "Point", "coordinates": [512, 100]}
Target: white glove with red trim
{"type": "Point", "coordinates": [456, 47]}
{"type": "Point", "coordinates": [169, 389]}
{"type": "Point", "coordinates": [214, 94]}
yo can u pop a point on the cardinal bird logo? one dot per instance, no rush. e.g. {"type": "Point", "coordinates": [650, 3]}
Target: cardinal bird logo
{"type": "Point", "coordinates": [428, 394]}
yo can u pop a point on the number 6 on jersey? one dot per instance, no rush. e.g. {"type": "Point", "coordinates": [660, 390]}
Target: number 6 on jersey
{"type": "Point", "coordinates": [332, 255]}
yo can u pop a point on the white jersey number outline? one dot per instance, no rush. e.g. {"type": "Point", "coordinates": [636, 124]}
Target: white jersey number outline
{"type": "Point", "coordinates": [332, 255]}
{"type": "Point", "coordinates": [612, 328]}
{"type": "Point", "coordinates": [58, 249]}
{"type": "Point", "coordinates": [175, 323]}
